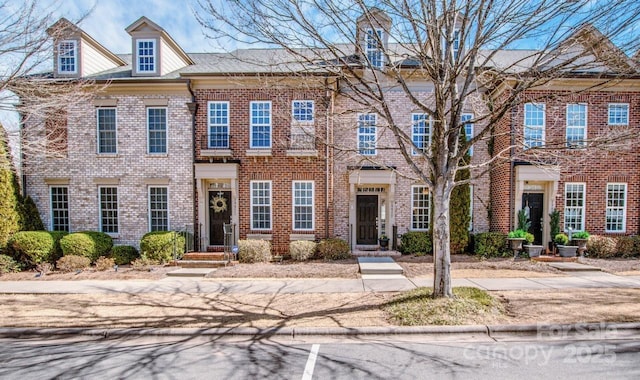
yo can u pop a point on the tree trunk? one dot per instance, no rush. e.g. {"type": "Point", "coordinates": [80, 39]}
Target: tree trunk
{"type": "Point", "coordinates": [441, 242]}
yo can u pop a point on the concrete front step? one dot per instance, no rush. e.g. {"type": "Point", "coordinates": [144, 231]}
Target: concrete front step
{"type": "Point", "coordinates": [376, 253]}
{"type": "Point", "coordinates": [202, 263]}
{"type": "Point", "coordinates": [190, 272]}
{"type": "Point", "coordinates": [574, 267]}
{"type": "Point", "coordinates": [379, 266]}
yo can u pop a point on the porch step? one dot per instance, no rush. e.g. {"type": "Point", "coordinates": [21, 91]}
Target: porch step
{"type": "Point", "coordinates": [575, 267]}
{"type": "Point", "coordinates": [204, 256]}
{"type": "Point", "coordinates": [202, 263]}
{"type": "Point", "coordinates": [379, 265]}
{"type": "Point", "coordinates": [215, 248]}
{"type": "Point", "coordinates": [190, 272]}
{"type": "Point", "coordinates": [376, 253]}
{"type": "Point", "coordinates": [554, 259]}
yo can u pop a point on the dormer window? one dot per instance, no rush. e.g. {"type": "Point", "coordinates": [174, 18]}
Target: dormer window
{"type": "Point", "coordinates": [373, 45]}
{"type": "Point", "coordinates": [68, 57]}
{"type": "Point", "coordinates": [455, 46]}
{"type": "Point", "coordinates": [146, 50]}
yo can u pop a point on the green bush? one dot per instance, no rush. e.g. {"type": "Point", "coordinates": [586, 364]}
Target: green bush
{"type": "Point", "coordinates": [416, 243]}
{"type": "Point", "coordinates": [90, 244]}
{"type": "Point", "coordinates": [601, 247]}
{"type": "Point", "coordinates": [32, 247]}
{"type": "Point", "coordinates": [124, 254]}
{"type": "Point", "coordinates": [490, 244]}
{"type": "Point", "coordinates": [628, 246]}
{"type": "Point", "coordinates": [580, 235]}
{"type": "Point", "coordinates": [30, 217]}
{"type": "Point", "coordinates": [159, 246]}
{"type": "Point", "coordinates": [254, 251]}
{"type": "Point", "coordinates": [302, 250]}
{"type": "Point", "coordinates": [8, 264]}
{"type": "Point", "coordinates": [334, 249]}
{"type": "Point", "coordinates": [561, 239]}
{"type": "Point", "coordinates": [70, 263]}
{"type": "Point", "coordinates": [517, 234]}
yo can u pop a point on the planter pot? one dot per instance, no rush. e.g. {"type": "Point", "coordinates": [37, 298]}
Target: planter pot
{"type": "Point", "coordinates": [582, 245]}
{"type": "Point", "coordinates": [516, 245]}
{"type": "Point", "coordinates": [384, 244]}
{"type": "Point", "coordinates": [567, 250]}
{"type": "Point", "coordinates": [533, 250]}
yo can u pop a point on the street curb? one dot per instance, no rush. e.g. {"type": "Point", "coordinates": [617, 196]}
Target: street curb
{"type": "Point", "coordinates": [585, 331]}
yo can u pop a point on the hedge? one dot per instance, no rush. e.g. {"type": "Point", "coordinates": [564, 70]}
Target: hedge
{"type": "Point", "coordinates": [35, 247]}
{"type": "Point", "coordinates": [416, 243]}
{"type": "Point", "coordinates": [159, 245]}
{"type": "Point", "coordinates": [90, 244]}
{"type": "Point", "coordinates": [490, 244]}
{"type": "Point", "coordinates": [334, 249]}
{"type": "Point", "coordinates": [124, 254]}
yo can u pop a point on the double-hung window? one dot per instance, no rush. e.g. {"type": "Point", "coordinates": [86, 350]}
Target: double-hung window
{"type": "Point", "coordinates": [576, 125]}
{"type": "Point", "coordinates": [157, 130]}
{"type": "Point", "coordinates": [108, 209]}
{"type": "Point", "coordinates": [534, 123]}
{"type": "Point", "coordinates": [574, 197]}
{"type": "Point", "coordinates": [107, 136]}
{"type": "Point", "coordinates": [420, 132]}
{"type": "Point", "coordinates": [618, 114]}
{"type": "Point", "coordinates": [218, 125]}
{"type": "Point", "coordinates": [261, 205]}
{"type": "Point", "coordinates": [302, 111]}
{"type": "Point", "coordinates": [616, 207]}
{"type": "Point", "coordinates": [302, 129]}
{"type": "Point", "coordinates": [146, 50]}
{"type": "Point", "coordinates": [59, 208]}
{"type": "Point", "coordinates": [68, 57]}
{"type": "Point", "coordinates": [373, 46]}
{"type": "Point", "coordinates": [468, 128]}
{"type": "Point", "coordinates": [261, 125]}
{"type": "Point", "coordinates": [420, 208]}
{"type": "Point", "coordinates": [158, 208]}
{"type": "Point", "coordinates": [303, 205]}
{"type": "Point", "coordinates": [367, 134]}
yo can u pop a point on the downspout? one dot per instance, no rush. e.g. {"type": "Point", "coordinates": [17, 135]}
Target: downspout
{"type": "Point", "coordinates": [193, 106]}
{"type": "Point", "coordinates": [511, 167]}
{"type": "Point", "coordinates": [329, 139]}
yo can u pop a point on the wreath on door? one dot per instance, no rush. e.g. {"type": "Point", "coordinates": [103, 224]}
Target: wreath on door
{"type": "Point", "coordinates": [219, 204]}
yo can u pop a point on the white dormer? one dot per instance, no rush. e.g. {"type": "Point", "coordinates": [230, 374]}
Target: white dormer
{"type": "Point", "coordinates": [372, 34]}
{"type": "Point", "coordinates": [76, 54]}
{"type": "Point", "coordinates": [154, 52]}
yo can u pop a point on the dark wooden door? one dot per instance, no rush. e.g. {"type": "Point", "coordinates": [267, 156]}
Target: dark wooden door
{"type": "Point", "coordinates": [219, 214]}
{"type": "Point", "coordinates": [366, 215]}
{"type": "Point", "coordinates": [535, 203]}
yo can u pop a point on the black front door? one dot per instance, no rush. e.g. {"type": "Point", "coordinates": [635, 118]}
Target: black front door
{"type": "Point", "coordinates": [534, 202]}
{"type": "Point", "coordinates": [219, 214]}
{"type": "Point", "coordinates": [366, 215]}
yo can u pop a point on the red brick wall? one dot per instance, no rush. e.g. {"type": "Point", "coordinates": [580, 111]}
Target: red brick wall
{"type": "Point", "coordinates": [501, 177]}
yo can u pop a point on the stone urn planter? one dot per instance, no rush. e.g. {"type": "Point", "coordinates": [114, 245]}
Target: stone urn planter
{"type": "Point", "coordinates": [516, 245]}
{"type": "Point", "coordinates": [567, 250]}
{"type": "Point", "coordinates": [582, 245]}
{"type": "Point", "coordinates": [533, 250]}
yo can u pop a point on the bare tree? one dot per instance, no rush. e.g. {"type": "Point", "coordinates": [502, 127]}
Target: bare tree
{"type": "Point", "coordinates": [461, 50]}
{"type": "Point", "coordinates": [27, 86]}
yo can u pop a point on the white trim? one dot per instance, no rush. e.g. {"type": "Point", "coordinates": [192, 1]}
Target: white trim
{"type": "Point", "coordinates": [313, 111]}
{"type": "Point", "coordinates": [371, 33]}
{"type": "Point", "coordinates": [525, 126]}
{"type": "Point", "coordinates": [583, 142]}
{"type": "Point", "coordinates": [51, 226]}
{"type": "Point", "coordinates": [100, 227]}
{"type": "Point", "coordinates": [166, 131]}
{"type": "Point", "coordinates": [624, 208]}
{"type": "Point", "coordinates": [154, 56]}
{"type": "Point", "coordinates": [375, 135]}
{"type": "Point", "coordinates": [429, 123]}
{"type": "Point", "coordinates": [227, 125]}
{"type": "Point", "coordinates": [609, 111]}
{"type": "Point", "coordinates": [75, 57]}
{"type": "Point", "coordinates": [583, 208]}
{"type": "Point", "coordinates": [251, 125]}
{"type": "Point", "coordinates": [149, 206]}
{"type": "Point", "coordinates": [313, 205]}
{"type": "Point", "coordinates": [473, 128]}
{"type": "Point", "coordinates": [251, 204]}
{"type": "Point", "coordinates": [413, 208]}
{"type": "Point", "coordinates": [98, 130]}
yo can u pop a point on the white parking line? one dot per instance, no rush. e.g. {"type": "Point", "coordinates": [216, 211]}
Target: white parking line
{"type": "Point", "coordinates": [311, 362]}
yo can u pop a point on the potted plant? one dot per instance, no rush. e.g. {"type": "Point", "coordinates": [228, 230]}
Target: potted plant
{"type": "Point", "coordinates": [554, 228]}
{"type": "Point", "coordinates": [580, 238]}
{"type": "Point", "coordinates": [564, 250]}
{"type": "Point", "coordinates": [383, 241]}
{"type": "Point", "coordinates": [516, 238]}
{"type": "Point", "coordinates": [529, 248]}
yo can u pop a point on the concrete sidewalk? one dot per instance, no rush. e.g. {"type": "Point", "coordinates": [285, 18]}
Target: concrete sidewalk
{"type": "Point", "coordinates": [369, 283]}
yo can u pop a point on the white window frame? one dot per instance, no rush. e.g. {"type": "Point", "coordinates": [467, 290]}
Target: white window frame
{"type": "Point", "coordinates": [151, 210]}
{"type": "Point", "coordinates": [418, 210]}
{"type": "Point", "coordinates": [153, 57]}
{"type": "Point", "coordinates": [373, 48]}
{"type": "Point", "coordinates": [610, 109]}
{"type": "Point", "coordinates": [573, 124]}
{"type": "Point", "coordinates": [469, 128]}
{"type": "Point", "coordinates": [616, 208]}
{"type": "Point", "coordinates": [416, 120]}
{"type": "Point", "coordinates": [98, 137]}
{"type": "Point", "coordinates": [221, 122]}
{"type": "Point", "coordinates": [294, 200]}
{"type": "Point", "coordinates": [268, 205]}
{"type": "Point", "coordinates": [53, 210]}
{"type": "Point", "coordinates": [581, 209]}
{"type": "Point", "coordinates": [456, 45]}
{"type": "Point", "coordinates": [369, 146]}
{"type": "Point", "coordinates": [63, 54]}
{"type": "Point", "coordinates": [166, 131]}
{"type": "Point", "coordinates": [253, 125]}
{"type": "Point", "coordinates": [529, 142]}
{"type": "Point", "coordinates": [300, 105]}
{"type": "Point", "coordinates": [117, 210]}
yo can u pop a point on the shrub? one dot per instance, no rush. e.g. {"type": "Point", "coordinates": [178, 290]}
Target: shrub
{"type": "Point", "coordinates": [44, 268]}
{"type": "Point", "coordinates": [302, 250]}
{"type": "Point", "coordinates": [490, 244]}
{"type": "Point", "coordinates": [601, 246]}
{"type": "Point", "coordinates": [90, 244]}
{"type": "Point", "coordinates": [30, 217]}
{"type": "Point", "coordinates": [254, 251]}
{"type": "Point", "coordinates": [124, 254]}
{"type": "Point", "coordinates": [143, 263]}
{"type": "Point", "coordinates": [416, 242]}
{"type": "Point", "coordinates": [628, 246]}
{"type": "Point", "coordinates": [32, 247]}
{"type": "Point", "coordinates": [580, 235]}
{"type": "Point", "coordinates": [561, 239]}
{"type": "Point", "coordinates": [70, 263]}
{"type": "Point", "coordinates": [529, 238]}
{"type": "Point", "coordinates": [57, 249]}
{"type": "Point", "coordinates": [104, 263]}
{"type": "Point", "coordinates": [159, 245]}
{"type": "Point", "coordinates": [8, 264]}
{"type": "Point", "coordinates": [334, 249]}
{"type": "Point", "coordinates": [517, 234]}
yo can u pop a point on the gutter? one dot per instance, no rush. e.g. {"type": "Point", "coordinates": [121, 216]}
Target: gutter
{"type": "Point", "coordinates": [193, 107]}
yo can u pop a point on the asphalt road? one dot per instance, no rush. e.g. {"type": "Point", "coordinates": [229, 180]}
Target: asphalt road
{"type": "Point", "coordinates": [314, 358]}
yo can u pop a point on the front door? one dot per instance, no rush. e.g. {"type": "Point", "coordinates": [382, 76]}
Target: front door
{"type": "Point", "coordinates": [219, 214]}
{"type": "Point", "coordinates": [366, 216]}
{"type": "Point", "coordinates": [534, 202]}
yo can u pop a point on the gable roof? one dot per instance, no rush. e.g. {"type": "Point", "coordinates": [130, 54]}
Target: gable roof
{"type": "Point", "coordinates": [143, 22]}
